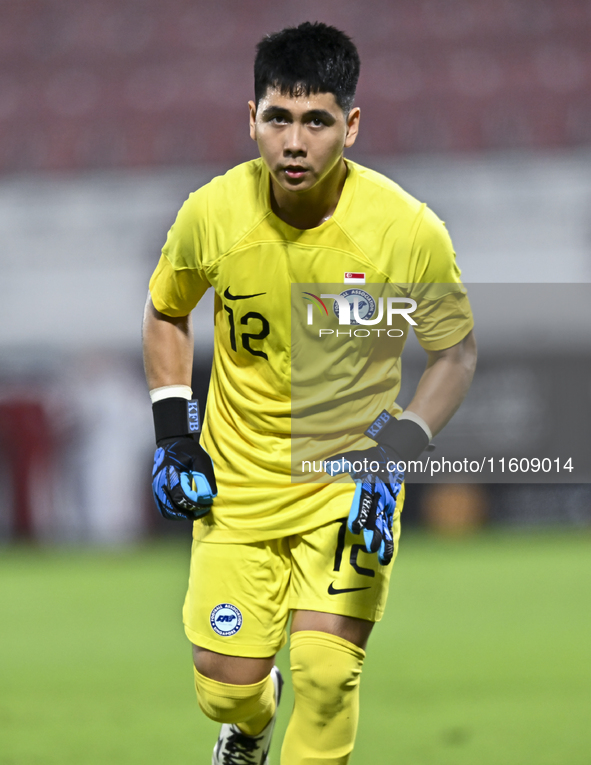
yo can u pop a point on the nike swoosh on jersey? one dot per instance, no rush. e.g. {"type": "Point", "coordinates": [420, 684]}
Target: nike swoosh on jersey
{"type": "Point", "coordinates": [229, 296]}
{"type": "Point", "coordinates": [333, 591]}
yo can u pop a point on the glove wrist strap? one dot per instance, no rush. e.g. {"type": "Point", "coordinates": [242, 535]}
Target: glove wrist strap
{"type": "Point", "coordinates": [175, 417]}
{"type": "Point", "coordinates": [405, 437]}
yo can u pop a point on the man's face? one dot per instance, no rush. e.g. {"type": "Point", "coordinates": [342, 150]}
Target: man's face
{"type": "Point", "coordinates": [301, 138]}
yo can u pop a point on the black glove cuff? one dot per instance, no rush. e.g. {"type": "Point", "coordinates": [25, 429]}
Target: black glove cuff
{"type": "Point", "coordinates": [175, 417]}
{"type": "Point", "coordinates": [404, 437]}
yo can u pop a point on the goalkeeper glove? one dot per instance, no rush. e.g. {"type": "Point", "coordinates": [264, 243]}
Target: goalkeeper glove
{"type": "Point", "coordinates": [379, 479]}
{"type": "Point", "coordinates": [183, 481]}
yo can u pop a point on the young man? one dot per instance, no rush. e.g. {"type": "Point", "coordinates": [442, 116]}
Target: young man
{"type": "Point", "coordinates": [268, 544]}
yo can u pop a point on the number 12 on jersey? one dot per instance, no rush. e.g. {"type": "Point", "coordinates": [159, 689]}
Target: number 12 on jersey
{"type": "Point", "coordinates": [246, 337]}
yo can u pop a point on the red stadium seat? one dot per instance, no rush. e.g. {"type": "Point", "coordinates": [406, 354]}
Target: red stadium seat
{"type": "Point", "coordinates": [106, 84]}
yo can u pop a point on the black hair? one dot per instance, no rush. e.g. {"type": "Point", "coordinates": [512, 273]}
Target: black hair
{"type": "Point", "coordinates": [310, 58]}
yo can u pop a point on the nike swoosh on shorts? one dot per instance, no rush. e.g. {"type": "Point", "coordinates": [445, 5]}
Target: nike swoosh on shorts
{"type": "Point", "coordinates": [333, 591]}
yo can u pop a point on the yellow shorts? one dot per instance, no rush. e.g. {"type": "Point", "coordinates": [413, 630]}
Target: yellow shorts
{"type": "Point", "coordinates": [240, 595]}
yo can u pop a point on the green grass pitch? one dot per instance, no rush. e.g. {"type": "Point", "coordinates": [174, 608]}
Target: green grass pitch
{"type": "Point", "coordinates": [484, 656]}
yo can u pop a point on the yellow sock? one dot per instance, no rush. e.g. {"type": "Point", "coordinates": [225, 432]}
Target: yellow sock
{"type": "Point", "coordinates": [325, 671]}
{"type": "Point", "coordinates": [248, 706]}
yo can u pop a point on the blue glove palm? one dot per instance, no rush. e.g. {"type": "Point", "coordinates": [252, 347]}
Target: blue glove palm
{"type": "Point", "coordinates": [374, 502]}
{"type": "Point", "coordinates": [183, 481]}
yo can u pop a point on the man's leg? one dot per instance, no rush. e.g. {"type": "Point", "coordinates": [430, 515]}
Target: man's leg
{"type": "Point", "coordinates": [235, 689]}
{"type": "Point", "coordinates": [327, 652]}
{"type": "Point", "coordinates": [356, 631]}
{"type": "Point", "coordinates": [337, 593]}
{"type": "Point", "coordinates": [235, 615]}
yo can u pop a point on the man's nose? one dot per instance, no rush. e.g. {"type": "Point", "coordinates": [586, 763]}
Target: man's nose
{"type": "Point", "coordinates": [295, 145]}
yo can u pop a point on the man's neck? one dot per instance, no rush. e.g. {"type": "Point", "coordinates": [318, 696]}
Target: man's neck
{"type": "Point", "coordinates": [309, 209]}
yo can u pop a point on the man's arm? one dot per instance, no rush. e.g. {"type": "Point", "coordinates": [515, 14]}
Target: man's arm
{"type": "Point", "coordinates": [183, 480]}
{"type": "Point", "coordinates": [440, 392]}
{"type": "Point", "coordinates": [168, 348]}
{"type": "Point", "coordinates": [444, 383]}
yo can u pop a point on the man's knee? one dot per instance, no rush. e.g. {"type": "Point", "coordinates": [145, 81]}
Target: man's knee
{"type": "Point", "coordinates": [241, 670]}
{"type": "Point", "coordinates": [228, 703]}
{"type": "Point", "coordinates": [326, 671]}
{"type": "Point", "coordinates": [230, 689]}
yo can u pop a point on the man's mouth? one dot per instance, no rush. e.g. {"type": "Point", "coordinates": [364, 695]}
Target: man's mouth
{"type": "Point", "coordinates": [295, 171]}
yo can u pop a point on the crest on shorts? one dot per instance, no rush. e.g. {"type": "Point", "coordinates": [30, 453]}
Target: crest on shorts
{"type": "Point", "coordinates": [225, 619]}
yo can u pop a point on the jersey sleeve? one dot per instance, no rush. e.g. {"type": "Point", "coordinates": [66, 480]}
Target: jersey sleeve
{"type": "Point", "coordinates": [179, 281]}
{"type": "Point", "coordinates": [443, 313]}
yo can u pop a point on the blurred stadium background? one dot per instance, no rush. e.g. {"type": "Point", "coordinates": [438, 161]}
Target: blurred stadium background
{"type": "Point", "coordinates": [111, 112]}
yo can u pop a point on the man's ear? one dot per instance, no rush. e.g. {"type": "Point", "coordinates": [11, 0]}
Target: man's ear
{"type": "Point", "coordinates": [352, 126]}
{"type": "Point", "coordinates": [252, 108]}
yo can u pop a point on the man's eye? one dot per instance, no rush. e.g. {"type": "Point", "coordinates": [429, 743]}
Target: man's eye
{"type": "Point", "coordinates": [316, 122]}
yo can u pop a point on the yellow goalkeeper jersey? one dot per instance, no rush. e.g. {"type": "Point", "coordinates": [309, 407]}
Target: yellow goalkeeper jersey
{"type": "Point", "coordinates": [309, 328]}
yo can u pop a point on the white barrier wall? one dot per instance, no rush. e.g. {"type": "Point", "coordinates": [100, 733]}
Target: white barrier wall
{"type": "Point", "coordinates": [77, 252]}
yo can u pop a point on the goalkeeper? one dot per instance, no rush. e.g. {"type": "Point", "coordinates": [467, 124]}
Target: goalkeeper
{"type": "Point", "coordinates": [272, 555]}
